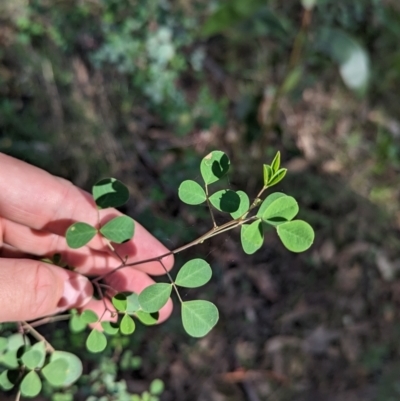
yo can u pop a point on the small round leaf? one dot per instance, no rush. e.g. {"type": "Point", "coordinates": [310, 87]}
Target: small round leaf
{"type": "Point", "coordinates": [79, 234]}
{"type": "Point", "coordinates": [252, 237]}
{"type": "Point", "coordinates": [110, 328]}
{"type": "Point", "coordinates": [199, 317]}
{"type": "Point", "coordinates": [148, 319]}
{"type": "Point", "coordinates": [119, 301]}
{"type": "Point", "coordinates": [132, 303]}
{"type": "Point", "coordinates": [96, 341]}
{"type": "Point", "coordinates": [156, 387]}
{"type": "Point", "coordinates": [16, 341]}
{"type": "Point", "coordinates": [154, 297]}
{"type": "Point", "coordinates": [10, 359]}
{"type": "Point", "coordinates": [281, 210]}
{"type": "Point", "coordinates": [88, 316]}
{"type": "Point", "coordinates": [225, 200]}
{"type": "Point", "coordinates": [35, 356]}
{"type": "Point", "coordinates": [214, 166]}
{"type": "Point", "coordinates": [191, 192]}
{"type": "Point", "coordinates": [56, 372]}
{"type": "Point", "coordinates": [77, 324]}
{"type": "Point", "coordinates": [127, 325]}
{"type": "Point", "coordinates": [3, 344]}
{"type": "Point", "coordinates": [119, 229]}
{"type": "Point", "coordinates": [267, 201]}
{"type": "Point", "coordinates": [74, 370]}
{"type": "Point", "coordinates": [110, 192]}
{"type": "Point", "coordinates": [194, 273]}
{"type": "Point", "coordinates": [5, 382]}
{"type": "Point", "coordinates": [31, 385]}
{"type": "Point", "coordinates": [243, 205]}
{"type": "Point", "coordinates": [296, 235]}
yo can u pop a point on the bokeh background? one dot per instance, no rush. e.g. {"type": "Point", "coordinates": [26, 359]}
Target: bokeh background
{"type": "Point", "coordinates": [142, 90]}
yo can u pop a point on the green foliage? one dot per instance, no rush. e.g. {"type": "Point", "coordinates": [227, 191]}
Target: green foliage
{"type": "Point", "coordinates": [191, 193]}
{"type": "Point", "coordinates": [79, 234]}
{"type": "Point", "coordinates": [199, 317]}
{"type": "Point", "coordinates": [194, 273]}
{"type": "Point", "coordinates": [119, 229]}
{"type": "Point", "coordinates": [214, 166]}
{"type": "Point", "coordinates": [26, 365]}
{"type": "Point", "coordinates": [110, 192]}
{"type": "Point", "coordinates": [154, 297]}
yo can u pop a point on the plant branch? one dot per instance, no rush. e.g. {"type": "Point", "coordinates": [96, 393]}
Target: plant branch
{"type": "Point", "coordinates": [38, 336]}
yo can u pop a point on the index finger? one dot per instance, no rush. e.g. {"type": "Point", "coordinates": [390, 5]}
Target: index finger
{"type": "Point", "coordinates": [32, 197]}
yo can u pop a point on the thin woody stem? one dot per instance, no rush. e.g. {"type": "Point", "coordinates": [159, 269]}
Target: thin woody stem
{"type": "Point", "coordinates": [38, 336]}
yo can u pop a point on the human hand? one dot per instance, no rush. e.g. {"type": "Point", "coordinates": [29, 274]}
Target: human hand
{"type": "Point", "coordinates": [36, 209]}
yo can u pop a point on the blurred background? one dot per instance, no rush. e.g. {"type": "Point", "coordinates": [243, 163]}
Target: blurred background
{"type": "Point", "coordinates": [141, 91]}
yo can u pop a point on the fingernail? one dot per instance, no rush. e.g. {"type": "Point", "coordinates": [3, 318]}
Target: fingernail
{"type": "Point", "coordinates": [77, 292]}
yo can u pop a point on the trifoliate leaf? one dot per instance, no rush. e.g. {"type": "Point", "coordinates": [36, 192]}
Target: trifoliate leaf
{"type": "Point", "coordinates": [296, 235]}
{"type": "Point", "coordinates": [191, 192]}
{"type": "Point", "coordinates": [199, 317]}
{"type": "Point", "coordinates": [214, 166]}
{"type": "Point", "coordinates": [194, 273]}
{"type": "Point", "coordinates": [110, 192]}
{"type": "Point", "coordinates": [154, 297]}
{"type": "Point", "coordinates": [119, 229]}
{"type": "Point", "coordinates": [79, 234]}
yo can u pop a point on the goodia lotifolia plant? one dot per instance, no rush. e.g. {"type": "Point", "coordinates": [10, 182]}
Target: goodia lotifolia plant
{"type": "Point", "coordinates": [25, 366]}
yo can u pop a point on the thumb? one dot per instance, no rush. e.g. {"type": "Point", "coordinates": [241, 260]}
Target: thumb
{"type": "Point", "coordinates": [31, 289]}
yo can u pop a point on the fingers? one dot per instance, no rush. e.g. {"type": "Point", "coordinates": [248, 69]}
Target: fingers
{"type": "Point", "coordinates": [32, 289]}
{"type": "Point", "coordinates": [85, 259]}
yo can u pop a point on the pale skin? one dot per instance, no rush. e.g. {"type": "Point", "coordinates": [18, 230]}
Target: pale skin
{"type": "Point", "coordinates": [36, 208]}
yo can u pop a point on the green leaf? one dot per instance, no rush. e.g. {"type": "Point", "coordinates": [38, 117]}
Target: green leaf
{"type": "Point", "coordinates": [56, 372]}
{"type": "Point", "coordinates": [10, 359]}
{"type": "Point", "coordinates": [132, 303]}
{"type": "Point", "coordinates": [110, 192]}
{"type": "Point", "coordinates": [267, 171]}
{"type": "Point", "coordinates": [148, 319]}
{"type": "Point", "coordinates": [281, 210]}
{"type": "Point", "coordinates": [77, 324]}
{"type": "Point", "coordinates": [74, 366]}
{"type": "Point", "coordinates": [3, 344]}
{"type": "Point", "coordinates": [296, 235]}
{"type": "Point", "coordinates": [127, 325]}
{"type": "Point", "coordinates": [88, 316]}
{"type": "Point", "coordinates": [154, 297]}
{"type": "Point", "coordinates": [352, 57]}
{"type": "Point", "coordinates": [31, 385]}
{"type": "Point", "coordinates": [194, 273]}
{"type": "Point", "coordinates": [225, 200]}
{"type": "Point", "coordinates": [276, 163]}
{"type": "Point", "coordinates": [5, 383]}
{"type": "Point", "coordinates": [199, 317]}
{"type": "Point", "coordinates": [120, 302]}
{"type": "Point", "coordinates": [252, 237]}
{"type": "Point", "coordinates": [110, 328]}
{"type": "Point", "coordinates": [214, 166]}
{"type": "Point", "coordinates": [267, 201]}
{"type": "Point", "coordinates": [243, 205]}
{"type": "Point", "coordinates": [191, 192]}
{"type": "Point", "coordinates": [156, 387]}
{"type": "Point", "coordinates": [119, 229]}
{"type": "Point", "coordinates": [35, 356]}
{"type": "Point", "coordinates": [96, 341]}
{"type": "Point", "coordinates": [79, 234]}
{"type": "Point", "coordinates": [16, 341]}
{"type": "Point", "coordinates": [277, 177]}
